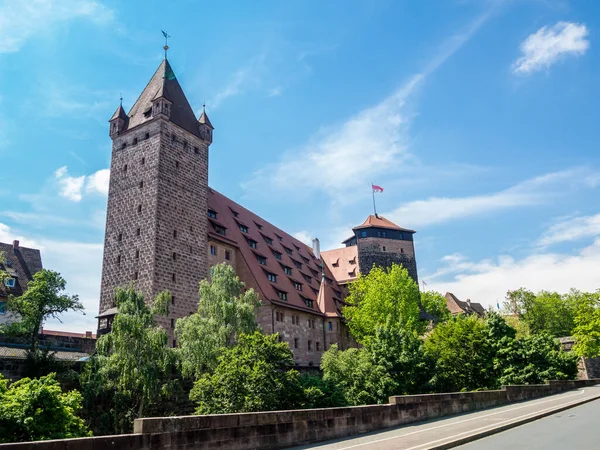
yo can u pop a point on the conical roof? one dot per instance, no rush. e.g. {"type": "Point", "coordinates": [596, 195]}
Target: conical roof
{"type": "Point", "coordinates": [381, 222]}
{"type": "Point", "coordinates": [164, 84]}
{"type": "Point", "coordinates": [119, 114]}
{"type": "Point", "coordinates": [205, 120]}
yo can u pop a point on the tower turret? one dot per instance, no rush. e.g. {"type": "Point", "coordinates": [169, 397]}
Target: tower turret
{"type": "Point", "coordinates": [118, 121]}
{"type": "Point", "coordinates": [205, 127]}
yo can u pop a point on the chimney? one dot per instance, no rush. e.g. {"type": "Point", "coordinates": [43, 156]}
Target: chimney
{"type": "Point", "coordinates": [316, 248]}
{"type": "Point", "coordinates": [15, 245]}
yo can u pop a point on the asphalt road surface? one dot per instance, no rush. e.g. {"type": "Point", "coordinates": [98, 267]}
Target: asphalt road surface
{"type": "Point", "coordinates": [573, 428]}
{"type": "Point", "coordinates": [565, 432]}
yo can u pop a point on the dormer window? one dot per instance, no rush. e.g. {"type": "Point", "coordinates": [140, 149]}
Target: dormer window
{"type": "Point", "coordinates": [148, 113]}
{"type": "Point", "coordinates": [212, 214]}
{"type": "Point", "coordinates": [271, 277]}
{"type": "Point", "coordinates": [261, 260]}
{"type": "Point", "coordinates": [307, 278]}
{"type": "Point", "coordinates": [243, 228]}
{"type": "Point", "coordinates": [282, 295]}
{"type": "Point", "coordinates": [220, 230]}
{"type": "Point", "coordinates": [279, 237]}
{"type": "Point", "coordinates": [308, 302]}
{"type": "Point", "coordinates": [258, 225]}
{"type": "Point", "coordinates": [297, 286]}
{"type": "Point", "coordinates": [267, 239]}
{"type": "Point", "coordinates": [276, 254]}
{"type": "Point", "coordinates": [287, 270]}
{"type": "Point", "coordinates": [288, 250]}
{"type": "Point", "coordinates": [252, 243]}
{"type": "Point", "coordinates": [10, 283]}
{"type": "Point", "coordinates": [297, 264]}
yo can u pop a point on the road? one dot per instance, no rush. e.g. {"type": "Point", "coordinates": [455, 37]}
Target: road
{"type": "Point", "coordinates": [574, 428]}
{"type": "Point", "coordinates": [428, 434]}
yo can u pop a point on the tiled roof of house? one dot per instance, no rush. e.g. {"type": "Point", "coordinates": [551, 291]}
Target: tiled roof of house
{"type": "Point", "coordinates": [21, 264]}
{"type": "Point", "coordinates": [164, 84]}
{"type": "Point", "coordinates": [381, 222]}
{"type": "Point", "coordinates": [261, 242]}
{"type": "Point", "coordinates": [21, 353]}
{"type": "Point", "coordinates": [343, 263]}
{"type": "Point", "coordinates": [67, 334]}
{"type": "Point", "coordinates": [457, 306]}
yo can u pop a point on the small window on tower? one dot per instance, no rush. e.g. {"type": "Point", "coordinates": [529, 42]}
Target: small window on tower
{"type": "Point", "coordinates": [173, 138]}
{"type": "Point", "coordinates": [143, 161]}
{"type": "Point", "coordinates": [123, 145]}
{"type": "Point", "coordinates": [125, 168]}
{"type": "Point", "coordinates": [118, 259]}
{"type": "Point", "coordinates": [295, 342]}
{"type": "Point", "coordinates": [135, 275]}
{"type": "Point", "coordinates": [173, 277]}
{"type": "Point", "coordinates": [172, 300]}
{"type": "Point", "coordinates": [174, 256]}
{"type": "Point", "coordinates": [120, 237]}
{"type": "Point", "coordinates": [147, 113]}
{"type": "Point", "coordinates": [147, 136]}
{"type": "Point", "coordinates": [139, 209]}
{"type": "Point", "coordinates": [401, 250]}
{"type": "Point", "coordinates": [196, 150]}
{"type": "Point", "coordinates": [177, 164]}
{"type": "Point", "coordinates": [135, 140]}
{"type": "Point", "coordinates": [363, 234]}
{"type": "Point", "coordinates": [175, 233]}
{"type": "Point", "coordinates": [137, 254]}
{"type": "Point", "coordinates": [138, 231]}
{"type": "Point", "coordinates": [227, 255]}
{"type": "Point", "coordinates": [141, 184]}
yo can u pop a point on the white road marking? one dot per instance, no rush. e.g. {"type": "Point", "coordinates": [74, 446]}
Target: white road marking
{"type": "Point", "coordinates": [463, 421]}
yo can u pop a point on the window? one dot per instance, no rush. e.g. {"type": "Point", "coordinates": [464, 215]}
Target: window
{"type": "Point", "coordinates": [235, 214]}
{"type": "Point", "coordinates": [384, 234]}
{"type": "Point", "coordinates": [173, 278]}
{"type": "Point", "coordinates": [147, 114]}
{"type": "Point", "coordinates": [401, 250]}
{"type": "Point", "coordinates": [282, 295]}
{"type": "Point", "coordinates": [141, 184]}
{"type": "Point", "coordinates": [135, 275]}
{"type": "Point", "coordinates": [304, 259]}
{"type": "Point", "coordinates": [288, 250]}
{"type": "Point", "coordinates": [297, 264]}
{"type": "Point", "coordinates": [139, 209]}
{"type": "Point", "coordinates": [173, 138]}
{"type": "Point", "coordinates": [279, 237]}
{"type": "Point", "coordinates": [174, 343]}
{"type": "Point", "coordinates": [252, 243]}
{"type": "Point", "coordinates": [10, 283]}
{"type": "Point", "coordinates": [295, 342]}
{"type": "Point", "coordinates": [243, 228]}
{"type": "Point", "coordinates": [272, 277]}
{"type": "Point", "coordinates": [314, 272]}
{"type": "Point", "coordinates": [120, 237]}
{"type": "Point", "coordinates": [144, 160]}
{"type": "Point", "coordinates": [318, 346]}
{"type": "Point", "coordinates": [309, 303]}
{"type": "Point", "coordinates": [261, 260]}
{"type": "Point", "coordinates": [185, 144]}
{"type": "Point", "coordinates": [309, 346]}
{"type": "Point", "coordinates": [315, 291]}
{"type": "Point", "coordinates": [384, 249]}
{"type": "Point", "coordinates": [119, 260]}
{"type": "Point", "coordinates": [268, 240]}
{"type": "Point", "coordinates": [363, 234]}
{"type": "Point", "coordinates": [123, 145]}
{"type": "Point", "coordinates": [137, 254]}
{"type": "Point", "coordinates": [353, 260]}
{"type": "Point", "coordinates": [212, 214]}
{"type": "Point", "coordinates": [307, 278]}
{"type": "Point", "coordinates": [400, 236]}
{"type": "Point", "coordinates": [138, 231]}
{"type": "Point", "coordinates": [279, 316]}
{"type": "Point", "coordinates": [135, 141]}
{"type": "Point", "coordinates": [330, 326]}
{"type": "Point", "coordinates": [177, 164]}
{"type": "Point", "coordinates": [172, 323]}
{"type": "Point", "coordinates": [196, 150]}
{"type": "Point", "coordinates": [172, 300]}
{"type": "Point", "coordinates": [125, 168]}
{"type": "Point", "coordinates": [258, 225]}
{"type": "Point", "coordinates": [174, 256]}
{"type": "Point", "coordinates": [297, 286]}
{"type": "Point", "coordinates": [227, 255]}
{"type": "Point", "coordinates": [220, 230]}
{"type": "Point", "coordinates": [147, 135]}
{"type": "Point", "coordinates": [276, 254]}
{"type": "Point", "coordinates": [175, 234]}
{"type": "Point", "coordinates": [213, 250]}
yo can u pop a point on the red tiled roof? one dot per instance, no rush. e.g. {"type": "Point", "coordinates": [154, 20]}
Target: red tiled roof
{"type": "Point", "coordinates": [338, 261]}
{"type": "Point", "coordinates": [225, 207]}
{"type": "Point", "coordinates": [381, 222]}
{"type": "Point", "coordinates": [65, 334]}
{"type": "Point", "coordinates": [457, 306]}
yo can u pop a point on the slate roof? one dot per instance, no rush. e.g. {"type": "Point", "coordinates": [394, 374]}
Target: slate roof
{"type": "Point", "coordinates": [381, 222]}
{"type": "Point", "coordinates": [457, 306]}
{"type": "Point", "coordinates": [270, 241]}
{"type": "Point", "coordinates": [21, 263]}
{"type": "Point", "coordinates": [164, 84]}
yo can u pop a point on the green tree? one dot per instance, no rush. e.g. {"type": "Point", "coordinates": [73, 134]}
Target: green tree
{"type": "Point", "coordinates": [356, 372]}
{"type": "Point", "coordinates": [255, 375]}
{"type": "Point", "coordinates": [225, 311]}
{"type": "Point", "coordinates": [3, 274]}
{"type": "Point", "coordinates": [37, 409]}
{"type": "Point", "coordinates": [435, 304]}
{"type": "Point", "coordinates": [134, 368]}
{"type": "Point", "coordinates": [534, 359]}
{"type": "Point", "coordinates": [382, 297]}
{"type": "Point", "coordinates": [43, 299]}
{"type": "Point", "coordinates": [587, 325]}
{"type": "Point", "coordinates": [461, 354]}
{"type": "Point", "coordinates": [320, 393]}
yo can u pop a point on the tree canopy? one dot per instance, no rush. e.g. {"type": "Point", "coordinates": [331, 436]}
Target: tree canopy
{"type": "Point", "coordinates": [37, 409]}
{"type": "Point", "coordinates": [225, 310]}
{"type": "Point", "coordinates": [587, 325]}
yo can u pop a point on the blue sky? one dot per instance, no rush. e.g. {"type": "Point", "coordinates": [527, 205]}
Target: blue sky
{"type": "Point", "coordinates": [479, 118]}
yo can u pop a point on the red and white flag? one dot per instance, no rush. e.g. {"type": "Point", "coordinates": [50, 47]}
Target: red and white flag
{"type": "Point", "coordinates": [376, 188]}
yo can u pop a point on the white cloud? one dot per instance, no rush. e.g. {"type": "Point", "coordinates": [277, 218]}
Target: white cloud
{"type": "Point", "coordinates": [304, 236]}
{"type": "Point", "coordinates": [488, 281]}
{"type": "Point", "coordinates": [442, 209]}
{"type": "Point", "coordinates": [20, 20]}
{"type": "Point", "coordinates": [354, 152]}
{"type": "Point", "coordinates": [549, 44]}
{"type": "Point", "coordinates": [98, 182]}
{"type": "Point", "coordinates": [79, 263]}
{"type": "Point", "coordinates": [571, 229]}
{"type": "Point", "coordinates": [69, 187]}
{"type": "Point", "coordinates": [73, 188]}
{"type": "Point", "coordinates": [245, 77]}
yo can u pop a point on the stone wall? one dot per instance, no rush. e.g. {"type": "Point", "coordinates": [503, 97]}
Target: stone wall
{"type": "Point", "coordinates": [371, 252]}
{"type": "Point", "coordinates": [283, 429]}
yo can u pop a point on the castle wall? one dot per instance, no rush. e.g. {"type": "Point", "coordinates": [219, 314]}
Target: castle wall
{"type": "Point", "coordinates": [385, 252]}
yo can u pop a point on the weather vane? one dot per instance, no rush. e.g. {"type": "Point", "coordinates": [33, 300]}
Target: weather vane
{"type": "Point", "coordinates": [166, 47]}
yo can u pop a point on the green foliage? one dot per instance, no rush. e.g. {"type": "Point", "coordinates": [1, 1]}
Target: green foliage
{"type": "Point", "coordinates": [587, 325]}
{"type": "Point", "coordinates": [43, 299]}
{"type": "Point", "coordinates": [37, 409]}
{"type": "Point", "coordinates": [435, 304]}
{"type": "Point", "coordinates": [133, 369]}
{"type": "Point", "coordinates": [382, 297]}
{"type": "Point", "coordinates": [544, 312]}
{"type": "Point", "coordinates": [534, 359]}
{"type": "Point", "coordinates": [225, 311]}
{"type": "Point", "coordinates": [255, 375]}
{"type": "Point", "coordinates": [357, 374]}
{"type": "Point", "coordinates": [462, 355]}
{"type": "Point", "coordinates": [320, 393]}
{"type": "Point", "coordinates": [3, 274]}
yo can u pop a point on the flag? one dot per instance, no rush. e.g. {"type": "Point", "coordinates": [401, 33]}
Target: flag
{"type": "Point", "coordinates": [423, 281]}
{"type": "Point", "coordinates": [165, 34]}
{"type": "Point", "coordinates": [376, 188]}
{"type": "Point", "coordinates": [498, 305]}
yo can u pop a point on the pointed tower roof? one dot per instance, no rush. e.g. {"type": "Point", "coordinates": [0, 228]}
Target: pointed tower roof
{"type": "Point", "coordinates": [205, 120]}
{"type": "Point", "coordinates": [164, 84]}
{"type": "Point", "coordinates": [119, 114]}
{"type": "Point", "coordinates": [381, 222]}
{"type": "Point", "coordinates": [325, 300]}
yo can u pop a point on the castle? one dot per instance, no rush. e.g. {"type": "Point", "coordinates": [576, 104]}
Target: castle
{"type": "Point", "coordinates": [165, 227]}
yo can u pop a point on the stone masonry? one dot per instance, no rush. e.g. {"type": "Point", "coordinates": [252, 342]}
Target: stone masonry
{"type": "Point", "coordinates": [385, 252]}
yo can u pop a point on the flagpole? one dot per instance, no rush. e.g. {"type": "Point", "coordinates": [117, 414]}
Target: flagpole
{"type": "Point", "coordinates": [373, 192]}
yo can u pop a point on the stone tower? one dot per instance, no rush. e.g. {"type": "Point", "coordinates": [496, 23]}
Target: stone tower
{"type": "Point", "coordinates": [383, 243]}
{"type": "Point", "coordinates": [156, 226]}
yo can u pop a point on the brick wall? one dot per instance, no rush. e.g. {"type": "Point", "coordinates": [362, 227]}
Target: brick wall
{"type": "Point", "coordinates": [283, 429]}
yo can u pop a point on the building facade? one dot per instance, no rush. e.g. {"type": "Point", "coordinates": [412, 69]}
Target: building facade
{"type": "Point", "coordinates": [166, 227]}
